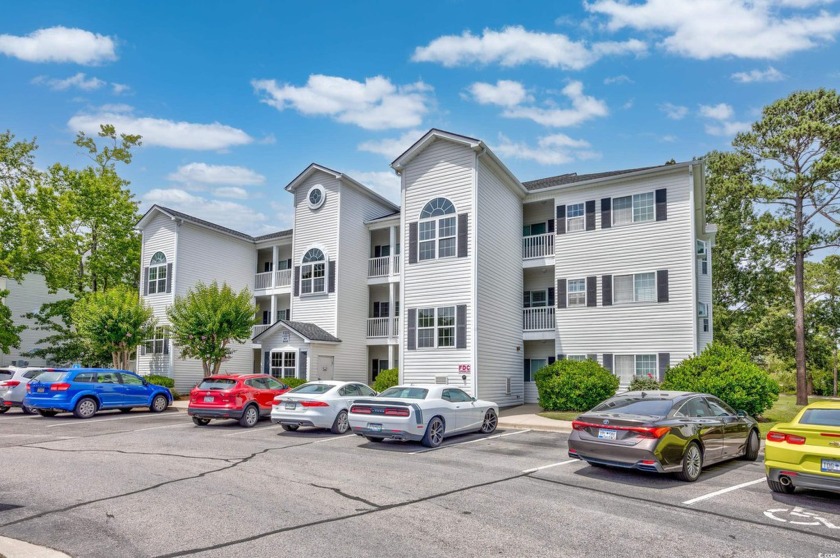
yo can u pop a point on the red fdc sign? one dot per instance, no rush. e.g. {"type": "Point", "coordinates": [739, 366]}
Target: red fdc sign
{"type": "Point", "coordinates": [463, 368]}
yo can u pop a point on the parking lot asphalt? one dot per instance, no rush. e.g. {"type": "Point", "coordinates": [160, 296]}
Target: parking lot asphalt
{"type": "Point", "coordinates": [143, 484]}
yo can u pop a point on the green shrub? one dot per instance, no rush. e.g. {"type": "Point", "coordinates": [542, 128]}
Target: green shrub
{"type": "Point", "coordinates": [728, 373]}
{"type": "Point", "coordinates": [567, 385]}
{"type": "Point", "coordinates": [386, 379]}
{"type": "Point", "coordinates": [160, 380]}
{"type": "Point", "coordinates": [292, 382]}
{"type": "Point", "coordinates": [783, 371]}
{"type": "Point", "coordinates": [644, 383]}
{"type": "Point", "coordinates": [820, 381]}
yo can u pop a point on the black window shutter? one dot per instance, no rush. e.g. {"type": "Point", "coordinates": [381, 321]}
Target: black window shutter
{"type": "Point", "coordinates": [412, 243]}
{"type": "Point", "coordinates": [461, 326]}
{"type": "Point", "coordinates": [561, 357]}
{"type": "Point", "coordinates": [331, 278]}
{"type": "Point", "coordinates": [297, 280]}
{"type": "Point", "coordinates": [166, 346]}
{"type": "Point", "coordinates": [411, 342]}
{"type": "Point", "coordinates": [662, 205]}
{"type": "Point", "coordinates": [376, 310]}
{"type": "Point", "coordinates": [551, 296]}
{"type": "Point", "coordinates": [301, 371]}
{"type": "Point", "coordinates": [463, 225]}
{"type": "Point", "coordinates": [289, 263]}
{"type": "Point", "coordinates": [551, 360]}
{"type": "Point", "coordinates": [527, 369]}
{"type": "Point", "coordinates": [145, 281]}
{"type": "Point", "coordinates": [606, 290]}
{"type": "Point", "coordinates": [664, 364]}
{"type": "Point", "coordinates": [606, 213]}
{"type": "Point", "coordinates": [143, 350]}
{"type": "Point", "coordinates": [590, 215]}
{"type": "Point", "coordinates": [592, 356]}
{"type": "Point", "coordinates": [288, 313]}
{"type": "Point", "coordinates": [551, 225]}
{"type": "Point", "coordinates": [267, 363]}
{"type": "Point", "coordinates": [377, 251]}
{"type": "Point", "coordinates": [526, 299]}
{"type": "Point", "coordinates": [591, 290]}
{"type": "Point", "coordinates": [561, 293]}
{"type": "Point", "coordinates": [608, 361]}
{"type": "Point", "coordinates": [560, 226]}
{"type": "Point", "coordinates": [662, 285]}
{"type": "Point", "coordinates": [169, 277]}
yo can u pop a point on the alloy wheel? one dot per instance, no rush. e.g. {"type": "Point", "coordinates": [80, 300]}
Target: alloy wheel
{"type": "Point", "coordinates": [436, 432]}
{"type": "Point", "coordinates": [87, 408]}
{"type": "Point", "coordinates": [693, 461]}
{"type": "Point", "coordinates": [490, 421]}
{"type": "Point", "coordinates": [343, 423]}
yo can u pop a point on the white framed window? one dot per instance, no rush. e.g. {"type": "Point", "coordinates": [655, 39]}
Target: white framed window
{"type": "Point", "coordinates": [283, 364]}
{"type": "Point", "coordinates": [576, 292]}
{"type": "Point", "coordinates": [703, 257]}
{"type": "Point", "coordinates": [534, 229]}
{"type": "Point", "coordinates": [437, 230]}
{"type": "Point", "coordinates": [639, 287]}
{"type": "Point", "coordinates": [534, 366]}
{"type": "Point", "coordinates": [535, 299]}
{"type": "Point", "coordinates": [633, 209]}
{"type": "Point", "coordinates": [436, 327]}
{"type": "Point", "coordinates": [575, 217]}
{"type": "Point", "coordinates": [704, 324]}
{"type": "Point", "coordinates": [159, 343]}
{"type": "Point", "coordinates": [627, 367]}
{"type": "Point", "coordinates": [702, 310]}
{"type": "Point", "coordinates": [157, 273]}
{"type": "Point", "coordinates": [313, 272]}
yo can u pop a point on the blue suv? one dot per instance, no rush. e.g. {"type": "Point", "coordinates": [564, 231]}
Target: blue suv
{"type": "Point", "coordinates": [84, 391]}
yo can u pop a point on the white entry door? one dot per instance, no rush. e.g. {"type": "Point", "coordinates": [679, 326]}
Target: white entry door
{"type": "Point", "coordinates": [325, 368]}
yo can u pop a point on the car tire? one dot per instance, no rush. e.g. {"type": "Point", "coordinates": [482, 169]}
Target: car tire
{"type": "Point", "coordinates": [44, 413]}
{"type": "Point", "coordinates": [250, 417]}
{"type": "Point", "coordinates": [125, 409]}
{"type": "Point", "coordinates": [198, 421]}
{"type": "Point", "coordinates": [488, 425]}
{"type": "Point", "coordinates": [86, 407]}
{"type": "Point", "coordinates": [434, 433]}
{"type": "Point", "coordinates": [751, 448]}
{"type": "Point", "coordinates": [692, 463]}
{"type": "Point", "coordinates": [375, 439]}
{"type": "Point", "coordinates": [341, 424]}
{"type": "Point", "coordinates": [289, 427]}
{"type": "Point", "coordinates": [28, 410]}
{"type": "Point", "coordinates": [159, 403]}
{"type": "Point", "coordinates": [4, 410]}
{"type": "Point", "coordinates": [776, 486]}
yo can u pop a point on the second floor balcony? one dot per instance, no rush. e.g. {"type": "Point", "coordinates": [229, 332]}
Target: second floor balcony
{"type": "Point", "coordinates": [538, 319]}
{"type": "Point", "coordinates": [382, 327]}
{"type": "Point", "coordinates": [538, 246]}
{"type": "Point", "coordinates": [385, 266]}
{"type": "Point", "coordinates": [273, 279]}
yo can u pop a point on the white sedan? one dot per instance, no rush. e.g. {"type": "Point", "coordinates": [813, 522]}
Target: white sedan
{"type": "Point", "coordinates": [427, 413]}
{"type": "Point", "coordinates": [320, 404]}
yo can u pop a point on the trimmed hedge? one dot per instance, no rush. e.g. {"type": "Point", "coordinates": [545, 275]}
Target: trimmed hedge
{"type": "Point", "coordinates": [568, 385]}
{"type": "Point", "coordinates": [386, 379]}
{"type": "Point", "coordinates": [643, 383]}
{"type": "Point", "coordinates": [160, 380]}
{"type": "Point", "coordinates": [728, 373]}
{"type": "Point", "coordinates": [292, 382]}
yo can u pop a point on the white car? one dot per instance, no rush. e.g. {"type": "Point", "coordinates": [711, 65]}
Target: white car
{"type": "Point", "coordinates": [13, 382]}
{"type": "Point", "coordinates": [427, 413]}
{"type": "Point", "coordinates": [319, 404]}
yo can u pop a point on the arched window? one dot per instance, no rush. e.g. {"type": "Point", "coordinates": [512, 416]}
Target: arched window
{"type": "Point", "coordinates": [438, 230]}
{"type": "Point", "coordinates": [313, 272]}
{"type": "Point", "coordinates": [157, 273]}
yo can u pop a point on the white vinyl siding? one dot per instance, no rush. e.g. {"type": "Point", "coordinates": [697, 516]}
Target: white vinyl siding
{"type": "Point", "coordinates": [27, 296]}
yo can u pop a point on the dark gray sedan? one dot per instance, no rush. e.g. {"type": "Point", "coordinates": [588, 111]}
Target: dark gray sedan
{"type": "Point", "coordinates": [664, 432]}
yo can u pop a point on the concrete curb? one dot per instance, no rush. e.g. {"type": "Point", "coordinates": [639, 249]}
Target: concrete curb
{"type": "Point", "coordinates": [526, 422]}
{"type": "Point", "coordinates": [13, 548]}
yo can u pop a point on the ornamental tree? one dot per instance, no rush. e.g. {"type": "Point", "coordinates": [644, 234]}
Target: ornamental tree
{"type": "Point", "coordinates": [208, 319]}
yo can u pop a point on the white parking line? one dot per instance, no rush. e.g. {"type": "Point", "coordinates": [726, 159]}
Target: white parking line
{"type": "Point", "coordinates": [470, 441]}
{"type": "Point", "coordinates": [21, 417]}
{"type": "Point", "coordinates": [248, 431]}
{"type": "Point", "coordinates": [97, 421]}
{"type": "Point", "coordinates": [333, 439]}
{"type": "Point", "coordinates": [724, 491]}
{"type": "Point", "coordinates": [535, 469]}
{"type": "Point", "coordinates": [167, 426]}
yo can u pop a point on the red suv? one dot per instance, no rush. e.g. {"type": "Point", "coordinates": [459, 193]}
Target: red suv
{"type": "Point", "coordinates": [245, 397]}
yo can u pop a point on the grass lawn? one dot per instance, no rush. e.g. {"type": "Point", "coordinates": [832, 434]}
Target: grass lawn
{"type": "Point", "coordinates": [560, 415]}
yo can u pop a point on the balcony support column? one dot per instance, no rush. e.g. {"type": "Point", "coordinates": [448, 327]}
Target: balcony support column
{"type": "Point", "coordinates": [390, 356]}
{"type": "Point", "coordinates": [391, 310]}
{"type": "Point", "coordinates": [275, 257]}
{"type": "Point", "coordinates": [273, 318]}
{"type": "Point", "coordinates": [392, 239]}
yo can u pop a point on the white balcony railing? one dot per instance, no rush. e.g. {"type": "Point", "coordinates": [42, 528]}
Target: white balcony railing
{"type": "Point", "coordinates": [397, 264]}
{"type": "Point", "coordinates": [537, 246]}
{"type": "Point", "coordinates": [378, 327]}
{"type": "Point", "coordinates": [283, 278]}
{"type": "Point", "coordinates": [262, 280]}
{"type": "Point", "coordinates": [257, 329]}
{"type": "Point", "coordinates": [379, 267]}
{"type": "Point", "coordinates": [538, 319]}
{"type": "Point", "coordinates": [271, 279]}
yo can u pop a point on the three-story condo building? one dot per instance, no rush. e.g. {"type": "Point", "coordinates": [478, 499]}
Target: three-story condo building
{"type": "Point", "coordinates": [476, 279]}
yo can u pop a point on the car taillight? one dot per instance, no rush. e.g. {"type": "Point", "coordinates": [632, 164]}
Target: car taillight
{"type": "Point", "coordinates": [28, 388]}
{"type": "Point", "coordinates": [10, 383]}
{"type": "Point", "coordinates": [60, 387]}
{"type": "Point", "coordinates": [396, 412]}
{"type": "Point", "coordinates": [796, 440]}
{"type": "Point", "coordinates": [359, 410]}
{"type": "Point", "coordinates": [644, 431]}
{"type": "Point", "coordinates": [773, 436]}
{"type": "Point", "coordinates": [577, 425]}
{"type": "Point", "coordinates": [314, 404]}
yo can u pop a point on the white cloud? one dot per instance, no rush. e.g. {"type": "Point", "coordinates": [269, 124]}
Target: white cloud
{"type": "Point", "coordinates": [727, 128]}
{"type": "Point", "coordinates": [120, 88]}
{"type": "Point", "coordinates": [375, 104]}
{"type": "Point", "coordinates": [555, 149]}
{"type": "Point", "coordinates": [160, 132]}
{"type": "Point", "coordinates": [583, 108]}
{"type": "Point", "coordinates": [234, 192]}
{"type": "Point", "coordinates": [770, 74]}
{"type": "Point", "coordinates": [721, 111]}
{"type": "Point", "coordinates": [674, 112]}
{"type": "Point", "coordinates": [384, 183]}
{"type": "Point", "coordinates": [60, 44]}
{"type": "Point", "coordinates": [617, 79]}
{"type": "Point", "coordinates": [505, 93]}
{"type": "Point", "coordinates": [392, 147]}
{"type": "Point", "coordinates": [203, 173]}
{"type": "Point", "coordinates": [513, 46]}
{"type": "Point", "coordinates": [720, 28]}
{"type": "Point", "coordinates": [668, 138]}
{"type": "Point", "coordinates": [78, 81]}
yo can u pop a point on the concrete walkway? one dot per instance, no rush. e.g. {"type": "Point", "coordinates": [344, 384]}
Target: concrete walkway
{"type": "Point", "coordinates": [13, 548]}
{"type": "Point", "coordinates": [525, 416]}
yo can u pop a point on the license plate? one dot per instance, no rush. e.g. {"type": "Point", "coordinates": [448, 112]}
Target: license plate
{"type": "Point", "coordinates": [830, 466]}
{"type": "Point", "coordinates": [209, 399]}
{"type": "Point", "coordinates": [291, 405]}
{"type": "Point", "coordinates": [375, 427]}
{"type": "Point", "coordinates": [606, 434]}
{"type": "Point", "coordinates": [41, 390]}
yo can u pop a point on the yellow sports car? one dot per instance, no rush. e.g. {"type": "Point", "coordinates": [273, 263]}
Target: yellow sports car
{"type": "Point", "coordinates": [805, 452]}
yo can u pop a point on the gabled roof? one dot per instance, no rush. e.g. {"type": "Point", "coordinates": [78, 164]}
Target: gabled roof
{"type": "Point", "coordinates": [314, 167]}
{"type": "Point", "coordinates": [173, 214]}
{"type": "Point", "coordinates": [309, 332]}
{"type": "Point", "coordinates": [383, 218]}
{"type": "Point", "coordinates": [575, 178]}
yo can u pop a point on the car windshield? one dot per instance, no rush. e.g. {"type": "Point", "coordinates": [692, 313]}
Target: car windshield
{"type": "Point", "coordinates": [49, 377]}
{"type": "Point", "coordinates": [5, 375]}
{"type": "Point", "coordinates": [635, 406]}
{"type": "Point", "coordinates": [821, 417]}
{"type": "Point", "coordinates": [217, 383]}
{"type": "Point", "coordinates": [405, 393]}
{"type": "Point", "coordinates": [312, 388]}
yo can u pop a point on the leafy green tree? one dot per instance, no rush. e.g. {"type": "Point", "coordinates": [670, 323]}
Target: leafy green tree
{"type": "Point", "coordinates": [115, 320]}
{"type": "Point", "coordinates": [208, 319]}
{"type": "Point", "coordinates": [9, 332]}
{"type": "Point", "coordinates": [62, 343]}
{"type": "Point", "coordinates": [823, 286]}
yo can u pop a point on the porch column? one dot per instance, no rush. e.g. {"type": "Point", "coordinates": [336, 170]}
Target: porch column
{"type": "Point", "coordinates": [273, 317]}
{"type": "Point", "coordinates": [275, 256]}
{"type": "Point", "coordinates": [392, 239]}
{"type": "Point", "coordinates": [390, 356]}
{"type": "Point", "coordinates": [391, 330]}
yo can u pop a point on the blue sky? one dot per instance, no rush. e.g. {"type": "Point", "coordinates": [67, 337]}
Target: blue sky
{"type": "Point", "coordinates": [235, 99]}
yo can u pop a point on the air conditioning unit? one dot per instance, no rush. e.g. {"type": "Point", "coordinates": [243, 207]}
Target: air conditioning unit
{"type": "Point", "coordinates": [702, 310]}
{"type": "Point", "coordinates": [441, 379]}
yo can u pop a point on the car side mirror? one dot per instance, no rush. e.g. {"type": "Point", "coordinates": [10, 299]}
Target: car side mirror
{"type": "Point", "coordinates": [145, 383]}
{"type": "Point", "coordinates": [472, 399]}
{"type": "Point", "coordinates": [742, 413]}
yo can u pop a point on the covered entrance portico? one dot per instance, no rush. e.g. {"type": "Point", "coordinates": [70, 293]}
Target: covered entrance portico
{"type": "Point", "coordinates": [297, 350]}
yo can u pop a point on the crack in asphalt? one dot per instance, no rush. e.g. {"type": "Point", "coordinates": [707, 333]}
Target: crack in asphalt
{"type": "Point", "coordinates": [226, 459]}
{"type": "Point", "coordinates": [348, 496]}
